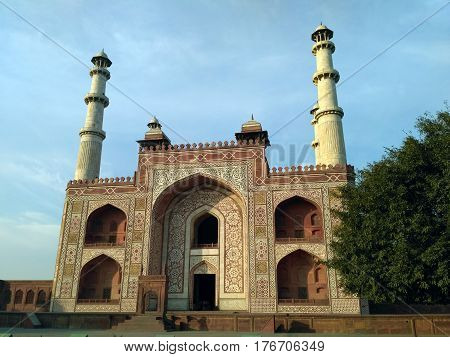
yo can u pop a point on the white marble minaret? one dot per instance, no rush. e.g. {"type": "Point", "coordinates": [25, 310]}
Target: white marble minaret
{"type": "Point", "coordinates": [328, 144]}
{"type": "Point", "coordinates": [92, 135]}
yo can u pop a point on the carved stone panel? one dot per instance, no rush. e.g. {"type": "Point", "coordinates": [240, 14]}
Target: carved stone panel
{"type": "Point", "coordinates": [233, 249]}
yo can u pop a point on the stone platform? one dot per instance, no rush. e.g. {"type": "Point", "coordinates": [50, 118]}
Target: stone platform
{"type": "Point", "coordinates": [236, 323]}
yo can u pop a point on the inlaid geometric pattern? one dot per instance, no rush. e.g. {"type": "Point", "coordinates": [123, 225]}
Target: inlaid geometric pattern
{"type": "Point", "coordinates": [212, 260]}
{"type": "Point", "coordinates": [136, 253]}
{"type": "Point", "coordinates": [139, 220]}
{"type": "Point", "coordinates": [261, 267]}
{"type": "Point", "coordinates": [345, 306]}
{"type": "Point", "coordinates": [260, 214]}
{"type": "Point", "coordinates": [233, 174]}
{"type": "Point", "coordinates": [261, 250]}
{"type": "Point", "coordinates": [75, 223]}
{"type": "Point", "coordinates": [135, 269]}
{"type": "Point", "coordinates": [260, 232]}
{"type": "Point", "coordinates": [138, 236]}
{"type": "Point", "coordinates": [260, 198]}
{"type": "Point", "coordinates": [69, 269]}
{"type": "Point", "coordinates": [71, 254]}
{"type": "Point", "coordinates": [140, 204]}
{"type": "Point", "coordinates": [234, 273]}
{"type": "Point", "coordinates": [77, 207]}
{"type": "Point", "coordinates": [262, 286]}
{"type": "Point", "coordinates": [249, 250]}
{"type": "Point", "coordinates": [73, 237]}
{"type": "Point", "coordinates": [267, 305]}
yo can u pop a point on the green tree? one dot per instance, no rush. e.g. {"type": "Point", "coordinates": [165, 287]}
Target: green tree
{"type": "Point", "coordinates": [393, 239]}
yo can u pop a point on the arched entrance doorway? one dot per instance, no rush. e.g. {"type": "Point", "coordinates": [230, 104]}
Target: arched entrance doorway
{"type": "Point", "coordinates": [177, 209]}
{"type": "Point", "coordinates": [204, 287]}
{"type": "Point", "coordinates": [301, 279]}
{"type": "Point", "coordinates": [204, 292]}
{"type": "Point", "coordinates": [200, 217]}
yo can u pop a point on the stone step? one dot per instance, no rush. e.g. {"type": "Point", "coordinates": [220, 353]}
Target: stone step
{"type": "Point", "coordinates": [141, 323]}
{"type": "Point", "coordinates": [146, 321]}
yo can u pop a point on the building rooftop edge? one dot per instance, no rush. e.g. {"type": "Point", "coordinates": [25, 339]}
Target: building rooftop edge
{"type": "Point", "coordinates": [274, 171]}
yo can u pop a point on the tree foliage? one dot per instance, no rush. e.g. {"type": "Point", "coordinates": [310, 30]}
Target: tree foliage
{"type": "Point", "coordinates": [393, 238]}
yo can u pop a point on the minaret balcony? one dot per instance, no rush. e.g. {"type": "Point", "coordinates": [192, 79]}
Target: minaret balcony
{"type": "Point", "coordinates": [100, 70]}
{"type": "Point", "coordinates": [93, 131]}
{"type": "Point", "coordinates": [326, 111]}
{"type": "Point", "coordinates": [325, 74]}
{"type": "Point", "coordinates": [323, 44]}
{"type": "Point", "coordinates": [96, 97]}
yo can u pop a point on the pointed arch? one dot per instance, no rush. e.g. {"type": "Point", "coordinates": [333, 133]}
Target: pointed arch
{"type": "Point", "coordinates": [203, 268]}
{"type": "Point", "coordinates": [41, 298]}
{"type": "Point", "coordinates": [294, 222]}
{"type": "Point", "coordinates": [18, 297]}
{"type": "Point", "coordinates": [196, 180]}
{"type": "Point", "coordinates": [167, 200]}
{"type": "Point", "coordinates": [311, 196]}
{"type": "Point", "coordinates": [115, 254]}
{"type": "Point", "coordinates": [106, 226]}
{"type": "Point", "coordinates": [100, 281]}
{"type": "Point", "coordinates": [29, 298]}
{"type": "Point", "coordinates": [119, 204]}
{"type": "Point", "coordinates": [301, 279]}
{"type": "Point", "coordinates": [206, 231]}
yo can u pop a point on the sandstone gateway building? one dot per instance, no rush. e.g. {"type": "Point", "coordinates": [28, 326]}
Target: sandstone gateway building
{"type": "Point", "coordinates": [204, 226]}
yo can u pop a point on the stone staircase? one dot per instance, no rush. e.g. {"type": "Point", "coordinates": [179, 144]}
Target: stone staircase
{"type": "Point", "coordinates": [142, 323]}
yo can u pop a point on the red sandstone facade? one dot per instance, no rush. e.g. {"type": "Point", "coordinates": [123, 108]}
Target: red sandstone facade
{"type": "Point", "coordinates": [25, 295]}
{"type": "Point", "coordinates": [202, 227]}
{"type": "Point", "coordinates": [205, 226]}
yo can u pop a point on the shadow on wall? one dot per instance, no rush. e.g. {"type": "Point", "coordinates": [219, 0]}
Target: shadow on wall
{"type": "Point", "coordinates": [295, 326]}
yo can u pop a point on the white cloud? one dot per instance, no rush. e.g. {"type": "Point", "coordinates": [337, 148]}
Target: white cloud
{"type": "Point", "coordinates": [29, 230]}
{"type": "Point", "coordinates": [28, 246]}
{"type": "Point", "coordinates": [28, 170]}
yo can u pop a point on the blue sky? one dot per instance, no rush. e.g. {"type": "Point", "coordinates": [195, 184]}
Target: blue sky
{"type": "Point", "coordinates": [202, 67]}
